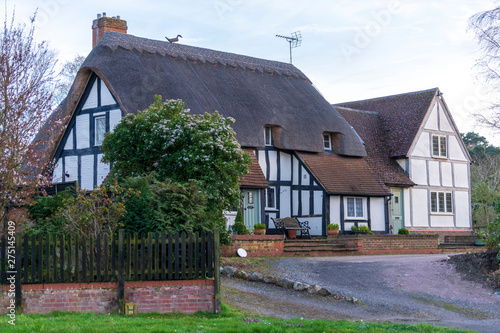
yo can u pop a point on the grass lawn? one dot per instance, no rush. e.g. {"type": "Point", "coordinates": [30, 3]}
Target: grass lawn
{"type": "Point", "coordinates": [229, 321]}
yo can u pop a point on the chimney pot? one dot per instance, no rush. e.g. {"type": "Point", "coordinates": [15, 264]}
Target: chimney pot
{"type": "Point", "coordinates": [98, 15]}
{"type": "Point", "coordinates": [118, 17]}
{"type": "Point", "coordinates": [104, 14]}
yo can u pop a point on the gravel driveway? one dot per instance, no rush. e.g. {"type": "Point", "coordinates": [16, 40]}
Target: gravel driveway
{"type": "Point", "coordinates": [406, 288]}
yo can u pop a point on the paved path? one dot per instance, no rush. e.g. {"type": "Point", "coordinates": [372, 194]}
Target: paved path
{"type": "Point", "coordinates": [406, 288]}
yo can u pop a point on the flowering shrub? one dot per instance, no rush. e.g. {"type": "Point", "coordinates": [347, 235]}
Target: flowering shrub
{"type": "Point", "coordinates": [168, 140]}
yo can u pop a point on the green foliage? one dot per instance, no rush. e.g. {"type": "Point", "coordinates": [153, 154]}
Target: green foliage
{"type": "Point", "coordinates": [165, 206]}
{"type": "Point", "coordinates": [167, 140]}
{"type": "Point", "coordinates": [43, 213]}
{"type": "Point", "coordinates": [403, 231]}
{"type": "Point", "coordinates": [491, 234]}
{"type": "Point", "coordinates": [259, 226]}
{"type": "Point", "coordinates": [333, 226]}
{"type": "Point", "coordinates": [238, 226]}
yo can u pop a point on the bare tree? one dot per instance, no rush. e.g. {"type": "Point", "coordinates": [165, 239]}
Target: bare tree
{"type": "Point", "coordinates": [66, 77]}
{"type": "Point", "coordinates": [486, 27]}
{"type": "Point", "coordinates": [26, 84]}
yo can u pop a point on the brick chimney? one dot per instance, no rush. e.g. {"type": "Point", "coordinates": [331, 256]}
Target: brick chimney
{"type": "Point", "coordinates": [104, 23]}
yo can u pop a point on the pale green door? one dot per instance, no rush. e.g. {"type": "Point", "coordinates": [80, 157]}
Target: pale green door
{"type": "Point", "coordinates": [251, 208]}
{"type": "Point", "coordinates": [397, 210]}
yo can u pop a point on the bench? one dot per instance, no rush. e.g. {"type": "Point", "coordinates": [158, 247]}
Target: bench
{"type": "Point", "coordinates": [291, 223]}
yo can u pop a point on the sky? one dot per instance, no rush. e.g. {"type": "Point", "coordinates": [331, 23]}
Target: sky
{"type": "Point", "coordinates": [350, 50]}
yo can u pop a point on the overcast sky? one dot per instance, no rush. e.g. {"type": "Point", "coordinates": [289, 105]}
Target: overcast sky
{"type": "Point", "coordinates": [350, 50]}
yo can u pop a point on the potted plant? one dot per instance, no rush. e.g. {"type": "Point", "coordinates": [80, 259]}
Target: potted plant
{"type": "Point", "coordinates": [259, 229]}
{"type": "Point", "coordinates": [332, 229]}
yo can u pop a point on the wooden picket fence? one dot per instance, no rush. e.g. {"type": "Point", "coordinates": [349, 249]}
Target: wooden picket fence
{"type": "Point", "coordinates": [132, 257]}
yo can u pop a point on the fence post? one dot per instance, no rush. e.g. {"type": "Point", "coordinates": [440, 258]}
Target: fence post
{"type": "Point", "coordinates": [18, 291]}
{"type": "Point", "coordinates": [121, 283]}
{"type": "Point", "coordinates": [217, 295]}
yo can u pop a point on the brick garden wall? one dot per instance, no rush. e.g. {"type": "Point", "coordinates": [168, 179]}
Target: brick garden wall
{"type": "Point", "coordinates": [186, 296]}
{"type": "Point", "coordinates": [390, 244]}
{"type": "Point", "coordinates": [255, 245]}
{"type": "Point", "coordinates": [443, 233]}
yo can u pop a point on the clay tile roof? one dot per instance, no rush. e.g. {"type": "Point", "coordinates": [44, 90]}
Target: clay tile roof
{"type": "Point", "coordinates": [369, 126]}
{"type": "Point", "coordinates": [255, 177]}
{"type": "Point", "coordinates": [344, 175]}
{"type": "Point", "coordinates": [401, 116]}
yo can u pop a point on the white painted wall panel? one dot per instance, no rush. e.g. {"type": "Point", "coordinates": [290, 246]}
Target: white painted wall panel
{"type": "Point", "coordinates": [442, 221]}
{"type": "Point", "coordinates": [446, 174]}
{"type": "Point", "coordinates": [432, 121]}
{"type": "Point", "coordinates": [377, 212]}
{"type": "Point", "coordinates": [285, 209]}
{"type": "Point", "coordinates": [71, 166]}
{"type": "Point", "coordinates": [87, 170]}
{"type": "Point", "coordinates": [295, 200]}
{"type": "Point", "coordinates": [462, 209]}
{"type": "Point", "coordinates": [420, 208]}
{"type": "Point", "coordinates": [455, 150]}
{"type": "Point", "coordinates": [422, 149]}
{"type": "Point", "coordinates": [335, 210]}
{"type": "Point", "coordinates": [305, 203]}
{"type": "Point", "coordinates": [102, 170]}
{"type": "Point", "coordinates": [444, 123]}
{"type": "Point", "coordinates": [286, 166]}
{"type": "Point", "coordinates": [273, 165]}
{"type": "Point", "coordinates": [315, 223]}
{"type": "Point", "coordinates": [57, 174]}
{"type": "Point", "coordinates": [115, 116]}
{"type": "Point", "coordinates": [261, 156]}
{"type": "Point", "coordinates": [418, 171]}
{"type": "Point", "coordinates": [91, 101]}
{"type": "Point", "coordinates": [306, 178]}
{"type": "Point", "coordinates": [402, 163]}
{"type": "Point", "coordinates": [461, 175]}
{"type": "Point", "coordinates": [82, 131]}
{"type": "Point", "coordinates": [406, 207]}
{"type": "Point", "coordinates": [318, 202]}
{"type": "Point", "coordinates": [348, 226]}
{"type": "Point", "coordinates": [69, 141]}
{"type": "Point", "coordinates": [295, 171]}
{"type": "Point", "coordinates": [434, 178]}
{"type": "Point", "coordinates": [106, 97]}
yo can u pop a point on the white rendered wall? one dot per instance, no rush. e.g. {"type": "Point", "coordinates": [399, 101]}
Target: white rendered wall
{"type": "Point", "coordinates": [318, 202]}
{"type": "Point", "coordinates": [102, 170]}
{"type": "Point", "coordinates": [461, 175]}
{"type": "Point", "coordinates": [69, 141]}
{"type": "Point", "coordinates": [315, 225]}
{"type": "Point", "coordinates": [82, 131]}
{"type": "Point", "coordinates": [91, 101]}
{"type": "Point", "coordinates": [418, 171]}
{"type": "Point", "coordinates": [285, 209]}
{"type": "Point", "coordinates": [106, 97]}
{"type": "Point", "coordinates": [57, 174]}
{"type": "Point", "coordinates": [377, 212]}
{"type": "Point", "coordinates": [305, 203]}
{"type": "Point", "coordinates": [442, 221]}
{"type": "Point", "coordinates": [286, 166]}
{"type": "Point", "coordinates": [273, 165]}
{"type": "Point", "coordinates": [420, 208]}
{"type": "Point", "coordinates": [335, 210]}
{"type": "Point", "coordinates": [462, 209]}
{"type": "Point", "coordinates": [87, 172]}
{"type": "Point", "coordinates": [71, 164]}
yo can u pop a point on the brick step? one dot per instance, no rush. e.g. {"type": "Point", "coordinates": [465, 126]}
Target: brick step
{"type": "Point", "coordinates": [458, 246]}
{"type": "Point", "coordinates": [305, 240]}
{"type": "Point", "coordinates": [317, 245]}
{"type": "Point", "coordinates": [319, 249]}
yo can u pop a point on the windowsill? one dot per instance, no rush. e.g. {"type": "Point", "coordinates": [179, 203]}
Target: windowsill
{"type": "Point", "coordinates": [440, 157]}
{"type": "Point", "coordinates": [441, 214]}
{"type": "Point", "coordinates": [271, 209]}
{"type": "Point", "coordinates": [355, 219]}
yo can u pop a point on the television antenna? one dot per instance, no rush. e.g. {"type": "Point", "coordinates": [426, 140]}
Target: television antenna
{"type": "Point", "coordinates": [295, 40]}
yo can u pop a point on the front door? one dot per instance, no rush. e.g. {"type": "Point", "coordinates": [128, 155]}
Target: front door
{"type": "Point", "coordinates": [397, 210]}
{"type": "Point", "coordinates": [251, 208]}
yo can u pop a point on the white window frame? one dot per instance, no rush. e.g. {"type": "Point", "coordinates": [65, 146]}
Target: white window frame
{"type": "Point", "coordinates": [357, 214]}
{"type": "Point", "coordinates": [441, 202]}
{"type": "Point", "coordinates": [327, 141]}
{"type": "Point", "coordinates": [268, 136]}
{"type": "Point", "coordinates": [96, 118]}
{"type": "Point", "coordinates": [270, 191]}
{"type": "Point", "coordinates": [441, 152]}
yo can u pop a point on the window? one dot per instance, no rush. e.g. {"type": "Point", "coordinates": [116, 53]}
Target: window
{"type": "Point", "coordinates": [355, 208]}
{"type": "Point", "coordinates": [250, 198]}
{"type": "Point", "coordinates": [270, 197]}
{"type": "Point", "coordinates": [439, 146]}
{"type": "Point", "coordinates": [441, 202]}
{"type": "Point", "coordinates": [327, 141]}
{"type": "Point", "coordinates": [99, 129]}
{"type": "Point", "coordinates": [268, 136]}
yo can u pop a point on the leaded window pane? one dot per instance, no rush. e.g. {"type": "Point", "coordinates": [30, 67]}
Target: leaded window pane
{"type": "Point", "coordinates": [350, 207]}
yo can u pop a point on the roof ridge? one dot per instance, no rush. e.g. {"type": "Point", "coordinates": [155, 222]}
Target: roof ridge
{"type": "Point", "coordinates": [356, 110]}
{"type": "Point", "coordinates": [388, 96]}
{"type": "Point", "coordinates": [114, 40]}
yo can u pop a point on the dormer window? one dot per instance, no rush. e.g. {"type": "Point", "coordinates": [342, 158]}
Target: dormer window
{"type": "Point", "coordinates": [439, 146]}
{"type": "Point", "coordinates": [327, 141]}
{"type": "Point", "coordinates": [268, 136]}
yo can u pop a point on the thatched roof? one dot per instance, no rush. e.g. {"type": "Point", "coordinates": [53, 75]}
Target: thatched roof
{"type": "Point", "coordinates": [401, 114]}
{"type": "Point", "coordinates": [255, 92]}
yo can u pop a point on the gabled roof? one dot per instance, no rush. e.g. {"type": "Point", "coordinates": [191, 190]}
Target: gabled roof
{"type": "Point", "coordinates": [369, 125]}
{"type": "Point", "coordinates": [255, 177]}
{"type": "Point", "coordinates": [253, 91]}
{"type": "Point", "coordinates": [343, 175]}
{"type": "Point", "coordinates": [401, 116]}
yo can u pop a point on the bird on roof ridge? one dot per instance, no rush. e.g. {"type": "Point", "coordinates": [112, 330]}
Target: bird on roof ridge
{"type": "Point", "coordinates": [174, 39]}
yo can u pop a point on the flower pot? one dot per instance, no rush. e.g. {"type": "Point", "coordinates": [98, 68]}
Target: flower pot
{"type": "Point", "coordinates": [259, 231]}
{"type": "Point", "coordinates": [292, 234]}
{"type": "Point", "coordinates": [332, 232]}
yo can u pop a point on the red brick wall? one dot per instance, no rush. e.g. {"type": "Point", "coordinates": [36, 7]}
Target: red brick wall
{"type": "Point", "coordinates": [443, 233]}
{"type": "Point", "coordinates": [390, 244]}
{"type": "Point", "coordinates": [255, 245]}
{"type": "Point", "coordinates": [150, 296]}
